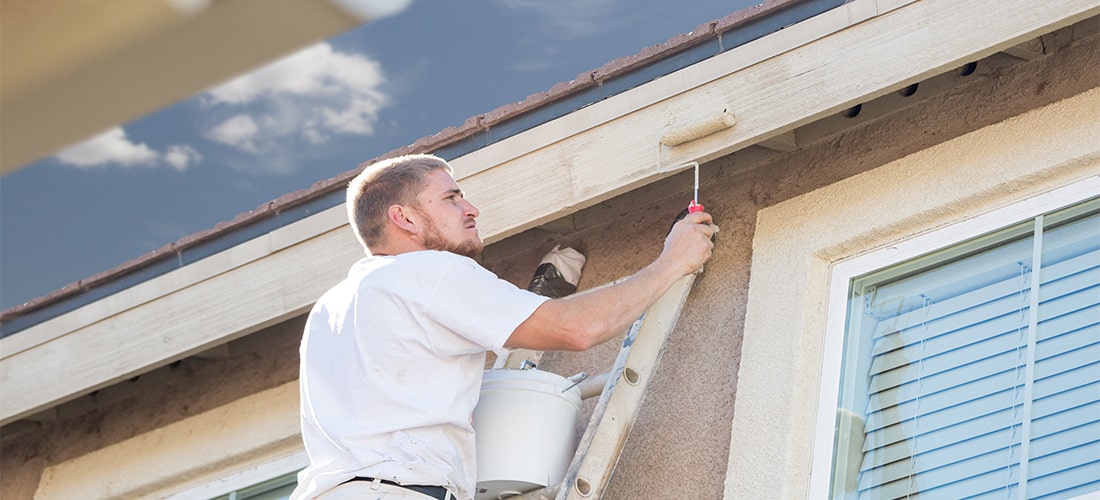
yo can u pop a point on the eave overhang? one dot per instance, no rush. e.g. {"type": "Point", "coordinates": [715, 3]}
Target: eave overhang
{"type": "Point", "coordinates": [847, 55]}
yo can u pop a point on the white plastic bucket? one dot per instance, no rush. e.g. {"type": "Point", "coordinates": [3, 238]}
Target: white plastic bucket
{"type": "Point", "coordinates": [526, 431]}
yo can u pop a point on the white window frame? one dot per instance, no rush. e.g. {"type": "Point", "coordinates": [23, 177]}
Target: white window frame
{"type": "Point", "coordinates": [840, 280]}
{"type": "Point", "coordinates": [247, 477]}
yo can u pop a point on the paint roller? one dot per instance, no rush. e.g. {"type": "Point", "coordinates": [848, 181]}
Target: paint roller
{"type": "Point", "coordinates": [696, 128]}
{"type": "Point", "coordinates": [689, 130]}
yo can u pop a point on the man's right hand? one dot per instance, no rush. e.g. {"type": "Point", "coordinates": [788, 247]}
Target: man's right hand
{"type": "Point", "coordinates": [582, 320]}
{"type": "Point", "coordinates": [689, 243]}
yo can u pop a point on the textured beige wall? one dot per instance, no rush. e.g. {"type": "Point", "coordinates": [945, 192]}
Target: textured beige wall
{"type": "Point", "coordinates": [257, 427]}
{"type": "Point", "coordinates": [682, 441]}
{"type": "Point", "coordinates": [156, 400]}
{"type": "Point", "coordinates": [798, 240]}
{"type": "Point", "coordinates": [681, 444]}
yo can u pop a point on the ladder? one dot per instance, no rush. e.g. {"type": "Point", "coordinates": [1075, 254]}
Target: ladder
{"type": "Point", "coordinates": [623, 393]}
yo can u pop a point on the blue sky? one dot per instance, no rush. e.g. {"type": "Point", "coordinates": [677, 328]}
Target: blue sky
{"type": "Point", "coordinates": [305, 118]}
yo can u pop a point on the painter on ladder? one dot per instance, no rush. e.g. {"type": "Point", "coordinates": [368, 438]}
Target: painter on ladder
{"type": "Point", "coordinates": [392, 356]}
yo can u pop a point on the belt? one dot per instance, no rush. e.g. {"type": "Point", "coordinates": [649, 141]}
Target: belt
{"type": "Point", "coordinates": [437, 492]}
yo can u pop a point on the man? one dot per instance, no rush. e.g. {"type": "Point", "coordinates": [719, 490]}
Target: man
{"type": "Point", "coordinates": [392, 356]}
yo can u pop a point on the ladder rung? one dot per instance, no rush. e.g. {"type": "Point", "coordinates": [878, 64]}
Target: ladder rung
{"type": "Point", "coordinates": [617, 409]}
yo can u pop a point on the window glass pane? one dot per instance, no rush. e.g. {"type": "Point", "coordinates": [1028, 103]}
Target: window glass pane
{"type": "Point", "coordinates": [938, 375]}
{"type": "Point", "coordinates": [1064, 453]}
{"type": "Point", "coordinates": [276, 493]}
{"type": "Point", "coordinates": [949, 377]}
{"type": "Point", "coordinates": [278, 488]}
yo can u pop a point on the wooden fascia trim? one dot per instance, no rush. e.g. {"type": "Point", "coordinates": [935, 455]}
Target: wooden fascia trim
{"type": "Point", "coordinates": [772, 85]}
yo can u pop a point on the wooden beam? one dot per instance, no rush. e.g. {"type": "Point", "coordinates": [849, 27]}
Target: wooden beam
{"type": "Point", "coordinates": [1028, 51]}
{"type": "Point", "coordinates": [49, 415]}
{"type": "Point", "coordinates": [783, 143]}
{"type": "Point", "coordinates": [249, 252]}
{"type": "Point", "coordinates": [769, 93]}
{"type": "Point", "coordinates": [1053, 41]}
{"type": "Point", "coordinates": [217, 352]}
{"type": "Point", "coordinates": [182, 323]}
{"type": "Point", "coordinates": [564, 225]}
{"type": "Point", "coordinates": [846, 56]}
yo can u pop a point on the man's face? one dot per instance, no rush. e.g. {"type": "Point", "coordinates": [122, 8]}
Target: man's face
{"type": "Point", "coordinates": [448, 218]}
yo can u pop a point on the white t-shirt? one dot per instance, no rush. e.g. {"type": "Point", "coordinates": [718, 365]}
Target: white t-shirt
{"type": "Point", "coordinates": [392, 359]}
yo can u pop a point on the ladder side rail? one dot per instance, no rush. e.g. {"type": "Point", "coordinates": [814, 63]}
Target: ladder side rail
{"type": "Point", "coordinates": [613, 376]}
{"type": "Point", "coordinates": [595, 460]}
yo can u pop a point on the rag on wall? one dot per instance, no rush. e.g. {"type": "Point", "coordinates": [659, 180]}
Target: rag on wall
{"type": "Point", "coordinates": [558, 273]}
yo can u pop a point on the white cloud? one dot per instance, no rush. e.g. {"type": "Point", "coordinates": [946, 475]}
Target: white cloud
{"type": "Point", "coordinates": [239, 131]}
{"type": "Point", "coordinates": [113, 147]}
{"type": "Point", "coordinates": [357, 118]}
{"type": "Point", "coordinates": [181, 156]}
{"type": "Point", "coordinates": [309, 96]}
{"type": "Point", "coordinates": [574, 18]}
{"type": "Point", "coordinates": [368, 10]}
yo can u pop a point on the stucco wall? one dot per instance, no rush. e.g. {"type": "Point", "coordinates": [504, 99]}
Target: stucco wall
{"type": "Point", "coordinates": [681, 443]}
{"type": "Point", "coordinates": [798, 241]}
{"type": "Point", "coordinates": [141, 406]}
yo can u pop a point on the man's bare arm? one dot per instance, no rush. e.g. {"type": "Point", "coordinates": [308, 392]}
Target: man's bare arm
{"type": "Point", "coordinates": [583, 320]}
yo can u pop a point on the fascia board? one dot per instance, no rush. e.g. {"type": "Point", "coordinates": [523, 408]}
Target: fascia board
{"type": "Point", "coordinates": [772, 85]}
{"type": "Point", "coordinates": [186, 311]}
{"type": "Point", "coordinates": [800, 74]}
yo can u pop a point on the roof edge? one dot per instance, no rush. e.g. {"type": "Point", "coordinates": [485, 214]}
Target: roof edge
{"type": "Point", "coordinates": [703, 33]}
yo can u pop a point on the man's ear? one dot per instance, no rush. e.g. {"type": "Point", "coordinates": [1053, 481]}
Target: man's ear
{"type": "Point", "coordinates": [403, 218]}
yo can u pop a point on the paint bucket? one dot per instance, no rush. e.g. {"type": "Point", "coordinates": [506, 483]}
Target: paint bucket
{"type": "Point", "coordinates": [526, 431]}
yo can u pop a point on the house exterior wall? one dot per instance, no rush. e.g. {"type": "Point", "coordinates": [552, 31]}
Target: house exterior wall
{"type": "Point", "coordinates": [120, 442]}
{"type": "Point", "coordinates": [730, 411]}
{"type": "Point", "coordinates": [801, 77]}
{"type": "Point", "coordinates": [797, 241]}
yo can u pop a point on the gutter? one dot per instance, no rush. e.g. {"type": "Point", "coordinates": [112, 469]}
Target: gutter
{"type": "Point", "coordinates": [613, 78]}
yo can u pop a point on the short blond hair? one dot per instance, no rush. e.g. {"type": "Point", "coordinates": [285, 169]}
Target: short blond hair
{"type": "Point", "coordinates": [396, 181]}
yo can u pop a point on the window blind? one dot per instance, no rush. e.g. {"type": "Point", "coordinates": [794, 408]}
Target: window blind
{"type": "Point", "coordinates": [976, 357]}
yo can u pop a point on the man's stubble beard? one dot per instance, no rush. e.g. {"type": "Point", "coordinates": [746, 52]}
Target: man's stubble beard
{"type": "Point", "coordinates": [434, 241]}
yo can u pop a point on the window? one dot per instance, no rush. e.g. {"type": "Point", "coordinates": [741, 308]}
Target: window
{"type": "Point", "coordinates": [974, 371]}
{"type": "Point", "coordinates": [269, 478]}
{"type": "Point", "coordinates": [279, 488]}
